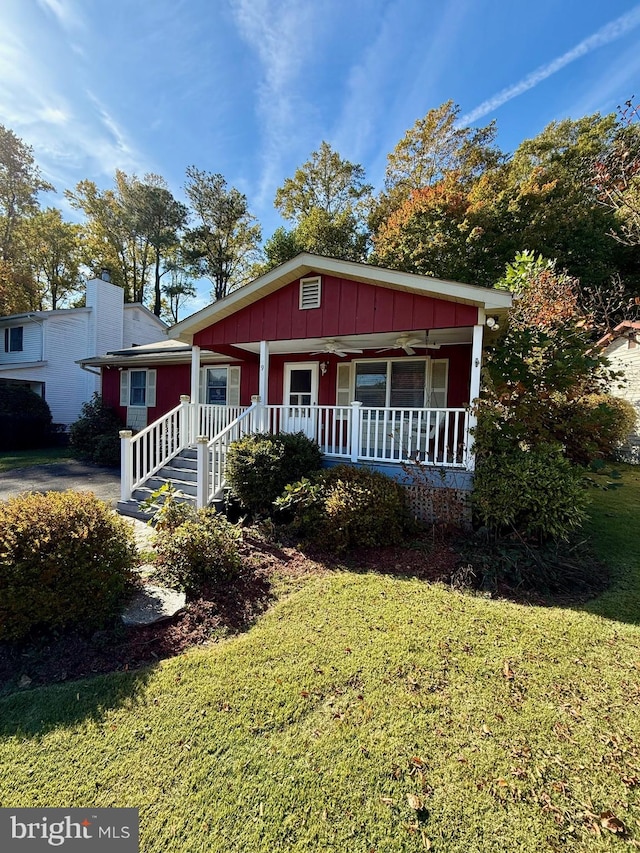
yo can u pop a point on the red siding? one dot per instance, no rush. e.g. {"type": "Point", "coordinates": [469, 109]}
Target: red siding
{"type": "Point", "coordinates": [348, 308]}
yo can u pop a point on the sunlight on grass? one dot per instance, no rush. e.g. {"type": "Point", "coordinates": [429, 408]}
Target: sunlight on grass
{"type": "Point", "coordinates": [9, 460]}
{"type": "Point", "coordinates": [364, 713]}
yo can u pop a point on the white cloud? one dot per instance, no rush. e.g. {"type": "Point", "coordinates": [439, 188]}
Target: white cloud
{"type": "Point", "coordinates": [607, 34]}
{"type": "Point", "coordinates": [65, 12]}
{"type": "Point", "coordinates": [277, 30]}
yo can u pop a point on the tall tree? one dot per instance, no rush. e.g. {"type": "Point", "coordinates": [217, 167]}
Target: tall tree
{"type": "Point", "coordinates": [327, 199]}
{"type": "Point", "coordinates": [20, 183]}
{"type": "Point", "coordinates": [223, 245]}
{"type": "Point", "coordinates": [51, 246]}
{"type": "Point", "coordinates": [157, 220]}
{"type": "Point", "coordinates": [177, 291]}
{"type": "Point", "coordinates": [436, 146]}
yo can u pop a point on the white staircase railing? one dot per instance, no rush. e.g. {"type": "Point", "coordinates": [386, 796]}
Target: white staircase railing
{"type": "Point", "coordinates": [145, 453]}
{"type": "Point", "coordinates": [212, 453]}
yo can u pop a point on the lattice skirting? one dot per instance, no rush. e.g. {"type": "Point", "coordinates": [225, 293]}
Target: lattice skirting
{"type": "Point", "coordinates": [442, 506]}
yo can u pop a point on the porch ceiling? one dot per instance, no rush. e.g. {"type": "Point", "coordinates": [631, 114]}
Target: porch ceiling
{"type": "Point", "coordinates": [444, 337]}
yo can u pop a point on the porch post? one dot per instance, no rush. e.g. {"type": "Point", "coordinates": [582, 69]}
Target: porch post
{"type": "Point", "coordinates": [263, 382]}
{"type": "Point", "coordinates": [202, 483]}
{"type": "Point", "coordinates": [125, 464]}
{"type": "Point", "coordinates": [356, 416]}
{"type": "Point", "coordinates": [474, 393]}
{"type": "Point", "coordinates": [186, 426]}
{"type": "Point", "coordinates": [195, 374]}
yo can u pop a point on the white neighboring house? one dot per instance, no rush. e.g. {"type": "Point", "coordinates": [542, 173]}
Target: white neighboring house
{"type": "Point", "coordinates": [622, 348]}
{"type": "Point", "coordinates": [40, 348]}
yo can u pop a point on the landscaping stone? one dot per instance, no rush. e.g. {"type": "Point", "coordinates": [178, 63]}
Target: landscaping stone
{"type": "Point", "coordinates": [153, 604]}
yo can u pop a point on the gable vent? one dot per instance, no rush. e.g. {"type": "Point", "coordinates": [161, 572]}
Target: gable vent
{"type": "Point", "coordinates": [310, 289]}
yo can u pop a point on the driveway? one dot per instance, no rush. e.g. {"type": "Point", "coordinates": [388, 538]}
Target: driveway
{"type": "Point", "coordinates": [60, 476]}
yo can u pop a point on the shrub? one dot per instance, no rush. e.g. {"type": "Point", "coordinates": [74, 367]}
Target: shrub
{"type": "Point", "coordinates": [65, 561]}
{"type": "Point", "coordinates": [595, 426]}
{"type": "Point", "coordinates": [345, 507]}
{"type": "Point", "coordinates": [198, 553]}
{"type": "Point", "coordinates": [25, 418]}
{"type": "Point", "coordinates": [536, 493]}
{"type": "Point", "coordinates": [95, 434]}
{"type": "Point", "coordinates": [259, 466]}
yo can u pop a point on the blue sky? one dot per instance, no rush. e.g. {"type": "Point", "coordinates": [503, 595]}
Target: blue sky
{"type": "Point", "coordinates": [250, 88]}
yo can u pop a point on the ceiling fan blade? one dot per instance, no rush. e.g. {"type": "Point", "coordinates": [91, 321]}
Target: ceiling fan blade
{"type": "Point", "coordinates": [433, 346]}
{"type": "Point", "coordinates": [408, 350]}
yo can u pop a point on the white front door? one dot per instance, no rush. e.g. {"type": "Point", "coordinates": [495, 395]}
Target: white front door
{"type": "Point", "coordinates": [300, 394]}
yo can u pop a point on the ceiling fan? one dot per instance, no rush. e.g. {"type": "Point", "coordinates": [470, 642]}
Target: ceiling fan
{"type": "Point", "coordinates": [407, 342]}
{"type": "Point", "coordinates": [334, 347]}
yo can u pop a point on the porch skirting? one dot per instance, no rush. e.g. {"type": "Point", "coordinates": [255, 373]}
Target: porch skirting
{"type": "Point", "coordinates": [436, 496]}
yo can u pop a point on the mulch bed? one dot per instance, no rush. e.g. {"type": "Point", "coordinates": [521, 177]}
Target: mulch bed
{"type": "Point", "coordinates": [217, 614]}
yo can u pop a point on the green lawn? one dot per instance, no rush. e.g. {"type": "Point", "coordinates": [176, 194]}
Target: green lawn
{"type": "Point", "coordinates": [24, 458]}
{"type": "Point", "coordinates": [366, 713]}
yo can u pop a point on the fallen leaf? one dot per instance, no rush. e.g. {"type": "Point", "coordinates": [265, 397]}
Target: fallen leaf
{"type": "Point", "coordinates": [388, 801]}
{"type": "Point", "coordinates": [486, 730]}
{"type": "Point", "coordinates": [305, 693]}
{"type": "Point", "coordinates": [507, 671]}
{"type": "Point", "coordinates": [609, 821]}
{"type": "Point", "coordinates": [415, 802]}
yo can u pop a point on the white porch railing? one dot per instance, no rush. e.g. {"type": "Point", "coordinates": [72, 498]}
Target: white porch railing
{"type": "Point", "coordinates": [438, 437]}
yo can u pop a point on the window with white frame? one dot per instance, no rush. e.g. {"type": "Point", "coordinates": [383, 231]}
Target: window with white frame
{"type": "Point", "coordinates": [394, 383]}
{"type": "Point", "coordinates": [13, 339]}
{"type": "Point", "coordinates": [138, 388]}
{"type": "Point", "coordinates": [220, 385]}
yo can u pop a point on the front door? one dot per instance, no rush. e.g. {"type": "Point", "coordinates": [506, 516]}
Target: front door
{"type": "Point", "coordinates": [300, 395]}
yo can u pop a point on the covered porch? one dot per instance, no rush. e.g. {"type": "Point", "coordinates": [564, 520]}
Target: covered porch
{"type": "Point", "coordinates": [413, 424]}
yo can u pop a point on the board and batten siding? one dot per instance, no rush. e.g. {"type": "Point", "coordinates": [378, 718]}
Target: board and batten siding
{"type": "Point", "coordinates": [626, 358]}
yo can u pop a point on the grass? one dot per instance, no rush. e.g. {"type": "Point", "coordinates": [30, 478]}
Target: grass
{"type": "Point", "coordinates": [366, 713]}
{"type": "Point", "coordinates": [10, 460]}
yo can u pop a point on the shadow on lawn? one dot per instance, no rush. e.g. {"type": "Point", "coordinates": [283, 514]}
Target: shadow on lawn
{"type": "Point", "coordinates": [33, 713]}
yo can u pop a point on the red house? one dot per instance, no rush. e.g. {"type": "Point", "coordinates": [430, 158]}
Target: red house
{"type": "Point", "coordinates": [378, 366]}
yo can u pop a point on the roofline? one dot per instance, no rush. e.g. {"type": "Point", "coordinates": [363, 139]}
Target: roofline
{"type": "Point", "coordinates": [617, 331]}
{"type": "Point", "coordinates": [147, 311]}
{"type": "Point", "coordinates": [304, 263]}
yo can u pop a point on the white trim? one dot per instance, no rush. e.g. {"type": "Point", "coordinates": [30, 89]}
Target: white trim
{"type": "Point", "coordinates": [263, 378]}
{"type": "Point", "coordinates": [195, 374]}
{"type": "Point", "coordinates": [297, 365]}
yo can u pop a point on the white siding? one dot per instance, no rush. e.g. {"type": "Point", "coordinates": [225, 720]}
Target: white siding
{"type": "Point", "coordinates": [627, 360]}
{"type": "Point", "coordinates": [141, 327]}
{"type": "Point", "coordinates": [31, 343]}
{"type": "Point", "coordinates": [106, 301]}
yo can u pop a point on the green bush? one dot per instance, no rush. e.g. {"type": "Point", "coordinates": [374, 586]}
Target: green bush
{"type": "Point", "coordinates": [66, 560]}
{"type": "Point", "coordinates": [198, 553]}
{"type": "Point", "coordinates": [595, 426]}
{"type": "Point", "coordinates": [345, 507]}
{"type": "Point", "coordinates": [95, 434]}
{"type": "Point", "coordinates": [259, 466]}
{"type": "Point", "coordinates": [536, 493]}
{"type": "Point", "coordinates": [25, 418]}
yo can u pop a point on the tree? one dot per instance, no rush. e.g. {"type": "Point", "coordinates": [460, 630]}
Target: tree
{"type": "Point", "coordinates": [280, 247]}
{"type": "Point", "coordinates": [157, 220]}
{"type": "Point", "coordinates": [20, 183]}
{"type": "Point", "coordinates": [327, 200]}
{"type": "Point", "coordinates": [177, 291]}
{"type": "Point", "coordinates": [436, 146]}
{"type": "Point", "coordinates": [616, 176]}
{"type": "Point", "coordinates": [52, 249]}
{"type": "Point", "coordinates": [223, 246]}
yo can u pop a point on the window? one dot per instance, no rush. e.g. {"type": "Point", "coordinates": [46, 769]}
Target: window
{"type": "Point", "coordinates": [138, 388]}
{"type": "Point", "coordinates": [220, 386]}
{"type": "Point", "coordinates": [396, 384]}
{"type": "Point", "coordinates": [13, 339]}
{"type": "Point", "coordinates": [310, 289]}
{"type": "Point", "coordinates": [216, 387]}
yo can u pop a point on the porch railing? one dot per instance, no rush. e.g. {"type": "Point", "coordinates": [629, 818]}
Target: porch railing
{"type": "Point", "coordinates": [438, 437]}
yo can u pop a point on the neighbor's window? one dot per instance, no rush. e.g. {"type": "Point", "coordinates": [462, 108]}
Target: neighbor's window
{"type": "Point", "coordinates": [13, 339]}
